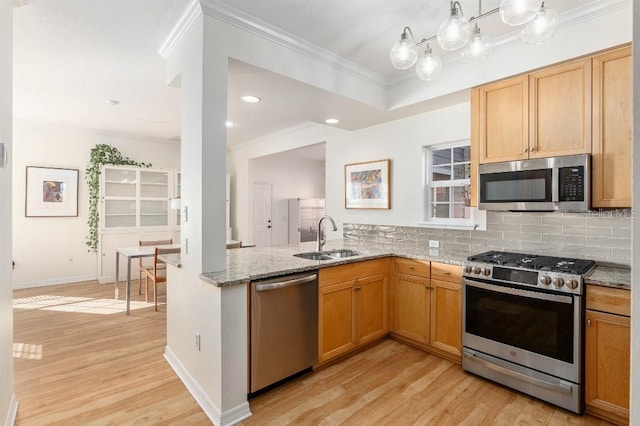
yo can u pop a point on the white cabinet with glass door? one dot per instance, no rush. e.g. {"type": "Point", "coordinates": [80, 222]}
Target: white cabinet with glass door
{"type": "Point", "coordinates": [134, 206]}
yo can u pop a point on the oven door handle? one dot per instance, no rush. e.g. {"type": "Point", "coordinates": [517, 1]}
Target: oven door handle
{"type": "Point", "coordinates": [517, 292]}
{"type": "Point", "coordinates": [556, 387]}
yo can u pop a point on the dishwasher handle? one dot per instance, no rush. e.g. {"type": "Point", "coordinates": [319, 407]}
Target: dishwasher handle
{"type": "Point", "coordinates": [289, 283]}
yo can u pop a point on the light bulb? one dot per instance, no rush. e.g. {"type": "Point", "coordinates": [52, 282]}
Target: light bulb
{"type": "Point", "coordinates": [478, 48]}
{"type": "Point", "coordinates": [518, 12]}
{"type": "Point", "coordinates": [429, 66]}
{"type": "Point", "coordinates": [542, 27]}
{"type": "Point", "coordinates": [404, 53]}
{"type": "Point", "coordinates": [455, 31]}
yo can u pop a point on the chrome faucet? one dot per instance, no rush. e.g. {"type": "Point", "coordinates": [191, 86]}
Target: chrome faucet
{"type": "Point", "coordinates": [320, 241]}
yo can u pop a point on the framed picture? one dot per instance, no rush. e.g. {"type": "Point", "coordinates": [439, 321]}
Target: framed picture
{"type": "Point", "coordinates": [51, 192]}
{"type": "Point", "coordinates": [367, 185]}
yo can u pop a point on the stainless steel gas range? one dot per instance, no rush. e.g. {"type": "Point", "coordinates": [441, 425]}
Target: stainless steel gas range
{"type": "Point", "coordinates": [522, 323]}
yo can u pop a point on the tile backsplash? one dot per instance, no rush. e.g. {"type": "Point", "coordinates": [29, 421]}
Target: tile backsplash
{"type": "Point", "coordinates": [604, 236]}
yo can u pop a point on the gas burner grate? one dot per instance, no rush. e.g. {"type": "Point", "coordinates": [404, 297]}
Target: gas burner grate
{"type": "Point", "coordinates": [535, 262]}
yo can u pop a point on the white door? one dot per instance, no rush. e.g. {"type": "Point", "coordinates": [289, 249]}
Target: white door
{"type": "Point", "coordinates": [262, 214]}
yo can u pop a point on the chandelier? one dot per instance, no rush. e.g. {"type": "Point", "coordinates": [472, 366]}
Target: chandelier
{"type": "Point", "coordinates": [456, 33]}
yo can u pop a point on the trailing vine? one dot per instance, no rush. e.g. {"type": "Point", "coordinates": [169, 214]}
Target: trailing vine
{"type": "Point", "coordinates": [101, 154]}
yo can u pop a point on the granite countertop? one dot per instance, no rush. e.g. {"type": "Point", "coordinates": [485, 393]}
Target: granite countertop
{"type": "Point", "coordinates": [609, 276]}
{"type": "Point", "coordinates": [252, 263]}
{"type": "Point", "coordinates": [248, 264]}
{"type": "Point", "coordinates": [172, 259]}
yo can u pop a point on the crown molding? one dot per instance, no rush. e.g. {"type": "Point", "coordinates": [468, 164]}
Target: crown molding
{"type": "Point", "coordinates": [191, 13]}
{"type": "Point", "coordinates": [578, 15]}
{"type": "Point", "coordinates": [225, 13]}
{"type": "Point", "coordinates": [219, 10]}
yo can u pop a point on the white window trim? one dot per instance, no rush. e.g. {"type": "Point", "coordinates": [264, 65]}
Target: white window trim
{"type": "Point", "coordinates": [428, 185]}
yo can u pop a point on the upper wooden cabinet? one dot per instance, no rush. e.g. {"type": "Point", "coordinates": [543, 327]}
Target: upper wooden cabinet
{"type": "Point", "coordinates": [560, 110]}
{"type": "Point", "coordinates": [542, 114]}
{"type": "Point", "coordinates": [612, 124]}
{"type": "Point", "coordinates": [578, 107]}
{"type": "Point", "coordinates": [502, 120]}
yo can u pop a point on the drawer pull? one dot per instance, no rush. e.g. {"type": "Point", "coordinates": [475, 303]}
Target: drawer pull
{"type": "Point", "coordinates": [411, 267]}
{"type": "Point", "coordinates": [447, 273]}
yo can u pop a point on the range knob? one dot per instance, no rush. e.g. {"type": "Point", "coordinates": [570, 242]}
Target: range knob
{"type": "Point", "coordinates": [486, 271]}
{"type": "Point", "coordinates": [476, 270]}
{"type": "Point", "coordinates": [545, 279]}
{"type": "Point", "coordinates": [558, 282]}
{"type": "Point", "coordinates": [467, 269]}
{"type": "Point", "coordinates": [572, 284]}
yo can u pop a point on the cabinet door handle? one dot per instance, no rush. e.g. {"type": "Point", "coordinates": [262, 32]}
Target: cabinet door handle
{"type": "Point", "coordinates": [411, 267]}
{"type": "Point", "coordinates": [525, 150]}
{"type": "Point", "coordinates": [532, 149]}
{"type": "Point", "coordinates": [588, 323]}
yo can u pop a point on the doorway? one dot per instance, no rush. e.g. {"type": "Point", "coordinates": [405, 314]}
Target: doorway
{"type": "Point", "coordinates": [262, 214]}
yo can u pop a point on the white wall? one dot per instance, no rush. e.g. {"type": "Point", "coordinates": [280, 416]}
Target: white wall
{"type": "Point", "coordinates": [52, 250]}
{"type": "Point", "coordinates": [401, 141]}
{"type": "Point", "coordinates": [241, 157]}
{"type": "Point", "coordinates": [8, 403]}
{"type": "Point", "coordinates": [290, 178]}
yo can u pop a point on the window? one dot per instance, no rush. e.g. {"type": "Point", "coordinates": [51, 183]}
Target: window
{"type": "Point", "coordinates": [448, 185]}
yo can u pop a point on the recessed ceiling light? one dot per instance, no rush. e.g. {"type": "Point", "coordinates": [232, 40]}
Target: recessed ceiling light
{"type": "Point", "coordinates": [230, 124]}
{"type": "Point", "coordinates": [332, 121]}
{"type": "Point", "coordinates": [251, 99]}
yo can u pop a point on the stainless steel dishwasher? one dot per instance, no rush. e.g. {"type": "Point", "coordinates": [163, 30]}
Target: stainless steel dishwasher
{"type": "Point", "coordinates": [284, 328]}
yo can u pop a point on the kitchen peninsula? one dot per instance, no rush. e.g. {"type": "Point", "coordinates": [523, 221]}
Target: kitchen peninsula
{"type": "Point", "coordinates": [229, 307]}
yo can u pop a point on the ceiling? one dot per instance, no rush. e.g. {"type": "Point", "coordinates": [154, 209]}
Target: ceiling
{"type": "Point", "coordinates": [72, 56]}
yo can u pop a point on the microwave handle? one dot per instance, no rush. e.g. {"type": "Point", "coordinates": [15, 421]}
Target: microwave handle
{"type": "Point", "coordinates": [555, 184]}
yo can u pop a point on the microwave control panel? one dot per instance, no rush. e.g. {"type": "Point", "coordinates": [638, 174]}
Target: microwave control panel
{"type": "Point", "coordinates": [571, 183]}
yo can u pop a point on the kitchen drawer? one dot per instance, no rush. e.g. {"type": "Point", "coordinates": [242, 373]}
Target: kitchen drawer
{"type": "Point", "coordinates": [412, 267]}
{"type": "Point", "coordinates": [351, 271]}
{"type": "Point", "coordinates": [608, 299]}
{"type": "Point", "coordinates": [446, 272]}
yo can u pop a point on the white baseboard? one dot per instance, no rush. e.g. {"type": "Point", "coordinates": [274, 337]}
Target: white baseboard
{"type": "Point", "coordinates": [55, 281]}
{"type": "Point", "coordinates": [13, 411]}
{"type": "Point", "coordinates": [228, 418]}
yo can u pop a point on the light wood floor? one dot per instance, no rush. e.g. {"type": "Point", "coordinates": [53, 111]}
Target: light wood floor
{"type": "Point", "coordinates": [394, 384]}
{"type": "Point", "coordinates": [98, 369]}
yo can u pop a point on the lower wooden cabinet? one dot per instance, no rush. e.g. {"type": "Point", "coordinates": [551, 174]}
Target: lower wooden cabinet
{"type": "Point", "coordinates": [428, 311]}
{"type": "Point", "coordinates": [411, 307]}
{"type": "Point", "coordinates": [446, 317]}
{"type": "Point", "coordinates": [352, 307]}
{"type": "Point", "coordinates": [607, 353]}
{"type": "Point", "coordinates": [337, 333]}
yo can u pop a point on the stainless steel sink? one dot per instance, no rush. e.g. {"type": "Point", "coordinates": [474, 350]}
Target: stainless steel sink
{"type": "Point", "coordinates": [327, 255]}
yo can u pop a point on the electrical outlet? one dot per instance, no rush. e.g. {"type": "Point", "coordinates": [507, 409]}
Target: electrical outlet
{"type": "Point", "coordinates": [198, 341]}
{"type": "Point", "coordinates": [434, 244]}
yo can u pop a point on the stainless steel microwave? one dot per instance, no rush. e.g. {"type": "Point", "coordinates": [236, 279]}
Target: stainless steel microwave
{"type": "Point", "coordinates": [541, 184]}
